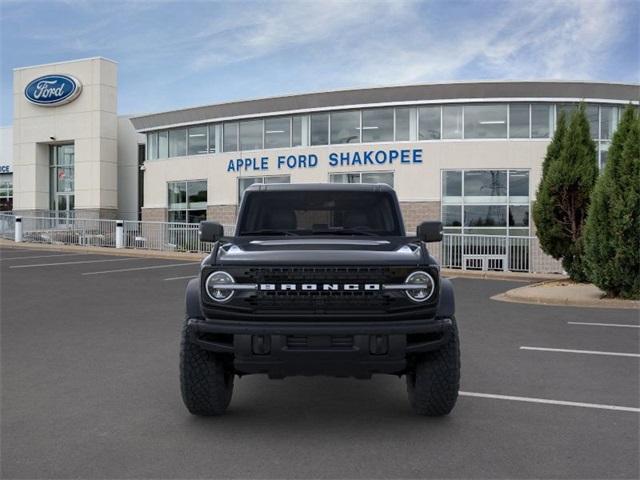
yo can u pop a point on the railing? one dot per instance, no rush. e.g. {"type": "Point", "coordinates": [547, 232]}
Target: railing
{"type": "Point", "coordinates": [466, 252]}
{"type": "Point", "coordinates": [7, 226]}
{"type": "Point", "coordinates": [69, 231]}
{"type": "Point", "coordinates": [493, 253]}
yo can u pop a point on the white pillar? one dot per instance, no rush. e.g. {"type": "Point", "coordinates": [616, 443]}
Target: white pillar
{"type": "Point", "coordinates": [18, 230]}
{"type": "Point", "coordinates": [119, 234]}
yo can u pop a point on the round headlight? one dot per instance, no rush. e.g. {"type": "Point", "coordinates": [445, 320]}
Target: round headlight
{"type": "Point", "coordinates": [214, 283]}
{"type": "Point", "coordinates": [424, 286]}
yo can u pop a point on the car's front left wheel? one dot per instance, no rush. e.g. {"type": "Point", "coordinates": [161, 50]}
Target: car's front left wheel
{"type": "Point", "coordinates": [205, 382]}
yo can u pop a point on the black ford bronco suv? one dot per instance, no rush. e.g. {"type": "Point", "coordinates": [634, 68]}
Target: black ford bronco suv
{"type": "Point", "coordinates": [320, 279]}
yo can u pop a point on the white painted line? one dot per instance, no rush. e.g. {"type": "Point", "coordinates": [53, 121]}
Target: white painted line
{"type": "Point", "coordinates": [75, 263]}
{"type": "Point", "coordinates": [179, 278]}
{"type": "Point", "coordinates": [141, 268]}
{"type": "Point", "coordinates": [588, 352]}
{"type": "Point", "coordinates": [623, 325]}
{"type": "Point", "coordinates": [550, 402]}
{"type": "Point", "coordinates": [42, 256]}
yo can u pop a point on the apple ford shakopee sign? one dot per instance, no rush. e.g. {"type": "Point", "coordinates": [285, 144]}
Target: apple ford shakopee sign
{"type": "Point", "coordinates": [53, 90]}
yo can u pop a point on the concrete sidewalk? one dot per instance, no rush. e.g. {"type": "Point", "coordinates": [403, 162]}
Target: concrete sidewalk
{"type": "Point", "coordinates": [131, 252]}
{"type": "Point", "coordinates": [565, 292]}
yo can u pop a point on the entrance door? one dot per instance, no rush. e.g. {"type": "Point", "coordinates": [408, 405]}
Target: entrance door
{"type": "Point", "coordinates": [62, 176]}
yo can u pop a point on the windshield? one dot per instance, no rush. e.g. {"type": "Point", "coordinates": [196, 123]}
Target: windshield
{"type": "Point", "coordinates": [319, 213]}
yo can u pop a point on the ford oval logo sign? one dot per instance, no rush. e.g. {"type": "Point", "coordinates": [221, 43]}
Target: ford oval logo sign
{"type": "Point", "coordinates": [53, 90]}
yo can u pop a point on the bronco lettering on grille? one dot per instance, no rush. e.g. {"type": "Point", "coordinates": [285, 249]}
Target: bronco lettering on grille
{"type": "Point", "coordinates": [326, 287]}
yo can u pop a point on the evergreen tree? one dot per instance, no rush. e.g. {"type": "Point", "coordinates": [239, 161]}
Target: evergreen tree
{"type": "Point", "coordinates": [612, 233]}
{"type": "Point", "coordinates": [563, 197]}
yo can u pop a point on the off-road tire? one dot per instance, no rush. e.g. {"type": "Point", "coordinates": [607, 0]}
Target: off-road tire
{"type": "Point", "coordinates": [205, 383]}
{"type": "Point", "coordinates": [433, 383]}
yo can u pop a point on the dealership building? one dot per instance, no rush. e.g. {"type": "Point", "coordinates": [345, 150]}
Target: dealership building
{"type": "Point", "coordinates": [469, 153]}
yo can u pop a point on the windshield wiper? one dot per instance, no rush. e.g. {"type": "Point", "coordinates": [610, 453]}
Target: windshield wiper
{"type": "Point", "coordinates": [269, 231]}
{"type": "Point", "coordinates": [344, 231]}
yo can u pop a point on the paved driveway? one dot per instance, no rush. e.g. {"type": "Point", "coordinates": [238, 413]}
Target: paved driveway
{"type": "Point", "coordinates": [89, 367]}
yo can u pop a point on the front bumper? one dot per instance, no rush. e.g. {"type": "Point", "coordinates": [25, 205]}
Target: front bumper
{"type": "Point", "coordinates": [352, 349]}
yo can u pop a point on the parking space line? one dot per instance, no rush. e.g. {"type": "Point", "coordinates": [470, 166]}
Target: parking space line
{"type": "Point", "coordinates": [550, 402]}
{"type": "Point", "coordinates": [587, 352]}
{"type": "Point", "coordinates": [152, 267]}
{"type": "Point", "coordinates": [42, 256]}
{"type": "Point", "coordinates": [179, 278]}
{"type": "Point", "coordinates": [75, 263]}
{"type": "Point", "coordinates": [622, 325]}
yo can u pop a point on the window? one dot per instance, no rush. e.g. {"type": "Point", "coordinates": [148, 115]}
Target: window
{"type": "Point", "coordinates": [61, 179]}
{"type": "Point", "coordinates": [212, 139]}
{"type": "Point", "coordinates": [429, 123]}
{"type": "Point", "coordinates": [296, 131]}
{"type": "Point", "coordinates": [251, 135]}
{"type": "Point", "coordinates": [485, 185]}
{"type": "Point", "coordinates": [197, 140]}
{"type": "Point", "coordinates": [246, 182]}
{"type": "Point", "coordinates": [230, 137]}
{"type": "Point", "coordinates": [485, 121]}
{"type": "Point", "coordinates": [518, 186]}
{"type": "Point", "coordinates": [519, 120]}
{"type": "Point", "coordinates": [476, 202]}
{"type": "Point", "coordinates": [345, 127]}
{"type": "Point", "coordinates": [592, 116]}
{"type": "Point", "coordinates": [377, 125]}
{"type": "Point", "coordinates": [403, 124]}
{"type": "Point", "coordinates": [452, 216]}
{"type": "Point", "coordinates": [187, 201]}
{"type": "Point", "coordinates": [452, 121]}
{"type": "Point", "coordinates": [452, 186]}
{"type": "Point", "coordinates": [152, 146]}
{"type": "Point", "coordinates": [163, 144]}
{"type": "Point", "coordinates": [178, 142]}
{"type": "Point", "coordinates": [6, 192]}
{"type": "Point", "coordinates": [320, 129]}
{"type": "Point", "coordinates": [485, 216]}
{"type": "Point", "coordinates": [277, 132]}
{"type": "Point", "coordinates": [306, 213]}
{"type": "Point", "coordinates": [362, 177]}
{"type": "Point", "coordinates": [608, 122]}
{"type": "Point", "coordinates": [541, 120]}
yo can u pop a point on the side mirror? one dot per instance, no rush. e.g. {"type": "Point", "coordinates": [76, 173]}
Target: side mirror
{"type": "Point", "coordinates": [430, 231]}
{"type": "Point", "coordinates": [211, 231]}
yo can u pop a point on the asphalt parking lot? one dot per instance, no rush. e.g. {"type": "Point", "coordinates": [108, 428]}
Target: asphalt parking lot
{"type": "Point", "coordinates": [89, 365]}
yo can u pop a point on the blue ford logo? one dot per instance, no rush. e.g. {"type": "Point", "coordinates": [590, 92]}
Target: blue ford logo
{"type": "Point", "coordinates": [53, 90]}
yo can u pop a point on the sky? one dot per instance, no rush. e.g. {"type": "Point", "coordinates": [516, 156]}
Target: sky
{"type": "Point", "coordinates": [176, 54]}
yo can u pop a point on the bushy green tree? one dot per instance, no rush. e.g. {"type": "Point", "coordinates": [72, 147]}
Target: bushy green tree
{"type": "Point", "coordinates": [612, 233]}
{"type": "Point", "coordinates": [563, 197]}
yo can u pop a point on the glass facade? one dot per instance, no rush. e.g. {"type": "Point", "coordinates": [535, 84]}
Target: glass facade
{"type": "Point", "coordinates": [486, 202]}
{"type": "Point", "coordinates": [385, 124]}
{"type": "Point", "coordinates": [187, 201]}
{"type": "Point", "coordinates": [246, 182]}
{"type": "Point", "coordinates": [61, 179]}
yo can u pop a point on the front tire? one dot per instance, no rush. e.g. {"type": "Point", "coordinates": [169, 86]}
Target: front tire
{"type": "Point", "coordinates": [434, 382]}
{"type": "Point", "coordinates": [205, 383]}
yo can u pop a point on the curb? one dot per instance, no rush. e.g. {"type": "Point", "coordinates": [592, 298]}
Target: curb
{"type": "Point", "coordinates": [515, 296]}
{"type": "Point", "coordinates": [125, 252]}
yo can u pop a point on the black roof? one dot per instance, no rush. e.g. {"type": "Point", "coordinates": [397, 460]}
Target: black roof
{"type": "Point", "coordinates": [319, 187]}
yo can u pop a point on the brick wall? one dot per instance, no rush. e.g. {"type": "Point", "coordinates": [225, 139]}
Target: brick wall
{"type": "Point", "coordinates": [416, 212]}
{"type": "Point", "coordinates": [154, 214]}
{"type": "Point", "coordinates": [224, 214]}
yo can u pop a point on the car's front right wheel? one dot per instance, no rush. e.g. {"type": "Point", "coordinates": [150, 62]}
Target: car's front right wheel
{"type": "Point", "coordinates": [206, 384]}
{"type": "Point", "coordinates": [434, 380]}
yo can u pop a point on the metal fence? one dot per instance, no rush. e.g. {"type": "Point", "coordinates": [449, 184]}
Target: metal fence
{"type": "Point", "coordinates": [465, 252]}
{"type": "Point", "coordinates": [7, 226]}
{"type": "Point", "coordinates": [67, 231]}
{"type": "Point", "coordinates": [493, 253]}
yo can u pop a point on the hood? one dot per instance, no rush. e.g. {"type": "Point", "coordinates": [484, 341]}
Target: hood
{"type": "Point", "coordinates": [320, 251]}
